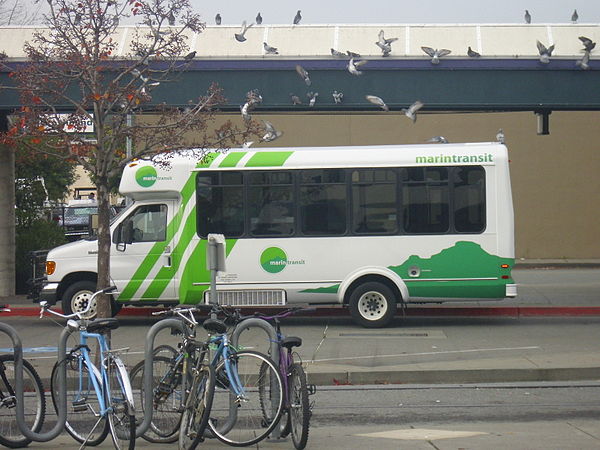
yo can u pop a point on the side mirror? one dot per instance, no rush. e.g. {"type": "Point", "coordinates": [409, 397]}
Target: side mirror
{"type": "Point", "coordinates": [124, 235]}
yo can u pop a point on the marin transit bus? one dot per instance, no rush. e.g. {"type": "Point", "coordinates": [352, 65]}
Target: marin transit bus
{"type": "Point", "coordinates": [370, 227]}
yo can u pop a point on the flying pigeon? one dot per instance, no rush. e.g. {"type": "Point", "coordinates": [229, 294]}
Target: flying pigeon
{"type": "Point", "coordinates": [574, 17]}
{"type": "Point", "coordinates": [303, 74]}
{"type": "Point", "coordinates": [584, 61]}
{"type": "Point", "coordinates": [435, 53]}
{"type": "Point", "coordinates": [218, 19]}
{"type": "Point", "coordinates": [352, 54]}
{"type": "Point", "coordinates": [297, 18]}
{"type": "Point", "coordinates": [190, 56]}
{"type": "Point", "coordinates": [252, 99]}
{"type": "Point", "coordinates": [258, 19]}
{"type": "Point", "coordinates": [545, 53]}
{"type": "Point", "coordinates": [337, 97]}
{"type": "Point", "coordinates": [247, 144]}
{"type": "Point", "coordinates": [500, 136]}
{"type": "Point", "coordinates": [353, 66]}
{"type": "Point", "coordinates": [295, 99]}
{"type": "Point", "coordinates": [472, 53]}
{"type": "Point", "coordinates": [411, 111]}
{"type": "Point", "coordinates": [588, 44]}
{"type": "Point", "coordinates": [377, 101]}
{"type": "Point", "coordinates": [270, 50]}
{"type": "Point", "coordinates": [527, 17]}
{"type": "Point", "coordinates": [337, 54]}
{"type": "Point", "coordinates": [240, 36]}
{"type": "Point", "coordinates": [312, 98]}
{"type": "Point", "coordinates": [385, 44]}
{"type": "Point", "coordinates": [438, 140]}
{"type": "Point", "coordinates": [270, 132]}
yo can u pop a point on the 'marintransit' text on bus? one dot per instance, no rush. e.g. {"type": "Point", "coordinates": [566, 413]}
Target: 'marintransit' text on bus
{"type": "Point", "coordinates": [454, 159]}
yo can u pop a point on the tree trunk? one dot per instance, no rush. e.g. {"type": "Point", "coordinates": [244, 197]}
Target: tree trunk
{"type": "Point", "coordinates": [7, 218]}
{"type": "Point", "coordinates": [104, 242]}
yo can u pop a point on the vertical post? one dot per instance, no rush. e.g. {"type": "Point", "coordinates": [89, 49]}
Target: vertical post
{"type": "Point", "coordinates": [7, 218]}
{"type": "Point", "coordinates": [129, 149]}
{"type": "Point", "coordinates": [215, 262]}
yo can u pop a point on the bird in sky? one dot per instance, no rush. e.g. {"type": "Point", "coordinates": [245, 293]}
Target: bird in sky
{"type": "Point", "coordinates": [500, 136]}
{"type": "Point", "coordinates": [297, 18]}
{"type": "Point", "coordinates": [353, 66]}
{"type": "Point", "coordinates": [337, 54]}
{"type": "Point", "coordinates": [377, 101]}
{"type": "Point", "coordinates": [270, 132]}
{"type": "Point", "coordinates": [435, 53]}
{"type": "Point", "coordinates": [303, 74]}
{"type": "Point", "coordinates": [240, 37]}
{"type": "Point", "coordinates": [411, 111]}
{"type": "Point", "coordinates": [337, 97]}
{"type": "Point", "coordinates": [438, 140]}
{"type": "Point", "coordinates": [253, 98]}
{"type": "Point", "coordinates": [584, 61]}
{"type": "Point", "coordinates": [190, 56]}
{"type": "Point", "coordinates": [574, 16]}
{"type": "Point", "coordinates": [295, 99]}
{"type": "Point", "coordinates": [312, 98]}
{"type": "Point", "coordinates": [258, 19]}
{"type": "Point", "coordinates": [270, 50]}
{"type": "Point", "coordinates": [545, 53]}
{"type": "Point", "coordinates": [171, 18]}
{"type": "Point", "coordinates": [472, 53]}
{"type": "Point", "coordinates": [588, 44]}
{"type": "Point", "coordinates": [527, 17]}
{"type": "Point", "coordinates": [218, 19]}
{"type": "Point", "coordinates": [384, 44]}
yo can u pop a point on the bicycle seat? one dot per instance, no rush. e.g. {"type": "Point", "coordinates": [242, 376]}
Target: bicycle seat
{"type": "Point", "coordinates": [290, 342]}
{"type": "Point", "coordinates": [214, 326]}
{"type": "Point", "coordinates": [102, 325]}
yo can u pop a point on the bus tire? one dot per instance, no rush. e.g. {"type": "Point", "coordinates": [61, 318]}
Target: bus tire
{"type": "Point", "coordinates": [76, 296]}
{"type": "Point", "coordinates": [372, 305]}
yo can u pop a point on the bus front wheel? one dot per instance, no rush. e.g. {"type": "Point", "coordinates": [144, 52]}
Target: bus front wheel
{"type": "Point", "coordinates": [372, 305]}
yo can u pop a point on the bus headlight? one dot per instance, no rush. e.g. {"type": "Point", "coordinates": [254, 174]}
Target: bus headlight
{"type": "Point", "coordinates": [50, 267]}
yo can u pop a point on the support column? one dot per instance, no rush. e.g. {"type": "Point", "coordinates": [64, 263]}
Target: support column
{"type": "Point", "coordinates": [7, 215]}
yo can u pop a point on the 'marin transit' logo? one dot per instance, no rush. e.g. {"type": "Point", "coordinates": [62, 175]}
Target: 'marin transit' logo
{"type": "Point", "coordinates": [146, 176]}
{"type": "Point", "coordinates": [274, 260]}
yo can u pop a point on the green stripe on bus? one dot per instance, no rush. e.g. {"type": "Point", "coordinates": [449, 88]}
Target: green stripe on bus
{"type": "Point", "coordinates": [232, 159]}
{"type": "Point", "coordinates": [265, 159]}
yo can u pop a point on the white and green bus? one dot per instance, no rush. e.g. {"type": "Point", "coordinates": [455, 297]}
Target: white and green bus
{"type": "Point", "coordinates": [373, 228]}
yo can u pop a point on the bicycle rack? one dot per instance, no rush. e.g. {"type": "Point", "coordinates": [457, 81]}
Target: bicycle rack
{"type": "Point", "coordinates": [62, 393]}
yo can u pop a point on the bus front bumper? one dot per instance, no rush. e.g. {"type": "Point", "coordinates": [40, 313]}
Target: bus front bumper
{"type": "Point", "coordinates": [511, 290]}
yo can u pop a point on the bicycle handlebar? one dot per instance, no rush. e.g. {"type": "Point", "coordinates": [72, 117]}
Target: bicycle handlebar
{"type": "Point", "coordinates": [45, 307]}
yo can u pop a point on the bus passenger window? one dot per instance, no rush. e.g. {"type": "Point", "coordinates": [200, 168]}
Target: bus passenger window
{"type": "Point", "coordinates": [469, 199]}
{"type": "Point", "coordinates": [271, 204]}
{"type": "Point", "coordinates": [220, 203]}
{"type": "Point", "coordinates": [374, 201]}
{"type": "Point", "coordinates": [323, 202]}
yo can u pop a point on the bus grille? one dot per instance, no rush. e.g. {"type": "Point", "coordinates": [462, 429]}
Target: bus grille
{"type": "Point", "coordinates": [249, 298]}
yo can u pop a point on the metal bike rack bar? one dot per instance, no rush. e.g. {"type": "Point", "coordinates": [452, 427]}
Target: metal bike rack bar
{"type": "Point", "coordinates": [148, 369]}
{"type": "Point", "coordinates": [62, 393]}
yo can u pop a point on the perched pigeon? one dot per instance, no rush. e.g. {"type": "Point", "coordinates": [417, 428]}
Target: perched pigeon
{"type": "Point", "coordinates": [500, 136]}
{"type": "Point", "coordinates": [295, 99]}
{"type": "Point", "coordinates": [270, 132]}
{"type": "Point", "coordinates": [584, 61]}
{"type": "Point", "coordinates": [270, 50]}
{"type": "Point", "coordinates": [247, 144]}
{"type": "Point", "coordinates": [545, 53]}
{"type": "Point", "coordinates": [218, 19]}
{"type": "Point", "coordinates": [258, 19]}
{"type": "Point", "coordinates": [527, 17]}
{"type": "Point", "coordinates": [190, 56]}
{"type": "Point", "coordinates": [384, 44]}
{"type": "Point", "coordinates": [472, 53]}
{"type": "Point", "coordinates": [411, 111]}
{"type": "Point", "coordinates": [377, 101]}
{"type": "Point", "coordinates": [337, 97]}
{"type": "Point", "coordinates": [588, 44]}
{"type": "Point", "coordinates": [438, 140]}
{"type": "Point", "coordinates": [312, 98]}
{"type": "Point", "coordinates": [352, 54]}
{"type": "Point", "coordinates": [240, 36]}
{"type": "Point", "coordinates": [353, 66]}
{"type": "Point", "coordinates": [435, 53]}
{"type": "Point", "coordinates": [574, 17]}
{"type": "Point", "coordinates": [337, 54]}
{"type": "Point", "coordinates": [297, 18]}
{"type": "Point", "coordinates": [303, 74]}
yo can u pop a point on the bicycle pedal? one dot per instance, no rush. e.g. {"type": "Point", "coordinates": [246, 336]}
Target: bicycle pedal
{"type": "Point", "coordinates": [79, 405]}
{"type": "Point", "coordinates": [311, 388]}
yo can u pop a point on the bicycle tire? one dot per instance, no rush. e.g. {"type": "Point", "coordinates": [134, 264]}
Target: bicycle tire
{"type": "Point", "coordinates": [166, 416]}
{"type": "Point", "coordinates": [82, 403]}
{"type": "Point", "coordinates": [34, 399]}
{"type": "Point", "coordinates": [299, 410]}
{"type": "Point", "coordinates": [194, 419]}
{"type": "Point", "coordinates": [249, 425]}
{"type": "Point", "coordinates": [121, 415]}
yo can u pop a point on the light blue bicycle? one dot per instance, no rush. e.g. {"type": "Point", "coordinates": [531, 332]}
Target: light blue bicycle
{"type": "Point", "coordinates": [99, 397]}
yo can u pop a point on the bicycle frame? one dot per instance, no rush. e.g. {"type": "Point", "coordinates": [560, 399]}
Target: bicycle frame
{"type": "Point", "coordinates": [223, 352]}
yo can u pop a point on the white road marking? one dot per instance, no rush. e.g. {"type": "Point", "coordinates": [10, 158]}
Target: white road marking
{"type": "Point", "coordinates": [422, 434]}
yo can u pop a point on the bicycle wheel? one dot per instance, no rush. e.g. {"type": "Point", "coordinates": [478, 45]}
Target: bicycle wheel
{"type": "Point", "coordinates": [84, 423]}
{"type": "Point", "coordinates": [121, 415]}
{"type": "Point", "coordinates": [299, 412]}
{"type": "Point", "coordinates": [166, 416]}
{"type": "Point", "coordinates": [264, 391]}
{"type": "Point", "coordinates": [241, 421]}
{"type": "Point", "coordinates": [33, 397]}
{"type": "Point", "coordinates": [197, 408]}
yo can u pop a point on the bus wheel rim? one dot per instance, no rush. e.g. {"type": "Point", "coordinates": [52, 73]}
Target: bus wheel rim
{"type": "Point", "coordinates": [372, 305]}
{"type": "Point", "coordinates": [80, 301]}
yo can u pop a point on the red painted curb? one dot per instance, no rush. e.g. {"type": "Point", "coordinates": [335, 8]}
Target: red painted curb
{"type": "Point", "coordinates": [434, 311]}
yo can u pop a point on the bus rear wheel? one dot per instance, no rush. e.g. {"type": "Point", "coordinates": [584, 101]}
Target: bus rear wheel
{"type": "Point", "coordinates": [372, 305]}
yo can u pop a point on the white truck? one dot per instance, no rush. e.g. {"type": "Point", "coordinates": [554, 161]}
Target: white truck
{"type": "Point", "coordinates": [369, 227]}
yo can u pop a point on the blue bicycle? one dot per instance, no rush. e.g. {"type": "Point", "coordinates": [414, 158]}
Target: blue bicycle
{"type": "Point", "coordinates": [99, 397]}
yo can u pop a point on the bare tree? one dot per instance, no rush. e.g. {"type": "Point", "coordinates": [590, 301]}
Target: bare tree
{"type": "Point", "coordinates": [17, 12]}
{"type": "Point", "coordinates": [73, 78]}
